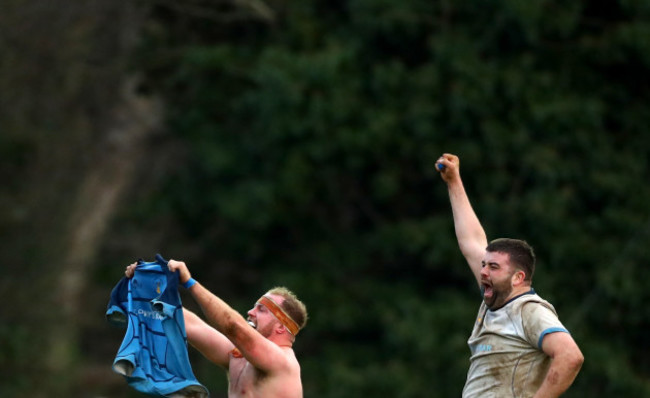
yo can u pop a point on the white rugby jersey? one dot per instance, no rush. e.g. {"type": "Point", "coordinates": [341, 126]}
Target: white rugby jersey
{"type": "Point", "coordinates": [506, 348]}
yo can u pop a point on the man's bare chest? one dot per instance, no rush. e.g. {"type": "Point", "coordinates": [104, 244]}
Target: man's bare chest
{"type": "Point", "coordinates": [244, 378]}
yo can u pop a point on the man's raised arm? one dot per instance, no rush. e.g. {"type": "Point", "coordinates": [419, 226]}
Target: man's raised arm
{"type": "Point", "coordinates": [207, 340]}
{"type": "Point", "coordinates": [469, 232]}
{"type": "Point", "coordinates": [260, 352]}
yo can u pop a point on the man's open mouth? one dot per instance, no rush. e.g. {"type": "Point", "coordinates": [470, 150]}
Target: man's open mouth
{"type": "Point", "coordinates": [253, 325]}
{"type": "Point", "coordinates": [487, 290]}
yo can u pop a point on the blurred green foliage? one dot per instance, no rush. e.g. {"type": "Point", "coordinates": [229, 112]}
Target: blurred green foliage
{"type": "Point", "coordinates": [309, 161]}
{"type": "Point", "coordinates": [300, 152]}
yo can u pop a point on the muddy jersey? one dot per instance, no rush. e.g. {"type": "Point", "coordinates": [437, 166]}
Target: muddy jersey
{"type": "Point", "coordinates": [506, 348]}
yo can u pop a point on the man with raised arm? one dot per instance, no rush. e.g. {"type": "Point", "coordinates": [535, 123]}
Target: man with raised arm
{"type": "Point", "coordinates": [256, 352]}
{"type": "Point", "coordinates": [519, 347]}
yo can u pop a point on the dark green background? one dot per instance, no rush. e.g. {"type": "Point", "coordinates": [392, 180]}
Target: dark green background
{"type": "Point", "coordinates": [293, 143]}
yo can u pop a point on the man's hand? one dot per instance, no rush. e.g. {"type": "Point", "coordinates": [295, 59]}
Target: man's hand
{"type": "Point", "coordinates": [173, 265]}
{"type": "Point", "coordinates": [183, 272]}
{"type": "Point", "coordinates": [130, 270]}
{"type": "Point", "coordinates": [451, 170]}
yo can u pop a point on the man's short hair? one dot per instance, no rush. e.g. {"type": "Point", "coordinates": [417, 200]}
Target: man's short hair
{"type": "Point", "coordinates": [291, 305]}
{"type": "Point", "coordinates": [521, 254]}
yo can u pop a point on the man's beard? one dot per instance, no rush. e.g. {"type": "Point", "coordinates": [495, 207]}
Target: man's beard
{"type": "Point", "coordinates": [500, 293]}
{"type": "Point", "coordinates": [265, 330]}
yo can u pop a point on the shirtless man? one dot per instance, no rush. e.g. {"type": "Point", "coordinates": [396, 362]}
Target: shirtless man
{"type": "Point", "coordinates": [256, 352]}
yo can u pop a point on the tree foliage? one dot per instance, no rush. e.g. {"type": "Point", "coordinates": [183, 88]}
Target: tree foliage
{"type": "Point", "coordinates": [299, 151]}
{"type": "Point", "coordinates": [309, 157]}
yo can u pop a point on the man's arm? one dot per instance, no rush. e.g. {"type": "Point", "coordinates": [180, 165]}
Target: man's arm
{"type": "Point", "coordinates": [208, 341]}
{"type": "Point", "coordinates": [259, 351]}
{"type": "Point", "coordinates": [566, 361]}
{"type": "Point", "coordinates": [469, 232]}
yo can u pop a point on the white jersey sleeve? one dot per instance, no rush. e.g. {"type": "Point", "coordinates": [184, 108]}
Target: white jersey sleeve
{"type": "Point", "coordinates": [538, 320]}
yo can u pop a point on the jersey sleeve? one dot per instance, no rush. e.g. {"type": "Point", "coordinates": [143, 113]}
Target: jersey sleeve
{"type": "Point", "coordinates": [538, 321]}
{"type": "Point", "coordinates": [116, 311]}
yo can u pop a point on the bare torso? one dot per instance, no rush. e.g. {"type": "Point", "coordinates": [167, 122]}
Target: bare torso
{"type": "Point", "coordinates": [247, 381]}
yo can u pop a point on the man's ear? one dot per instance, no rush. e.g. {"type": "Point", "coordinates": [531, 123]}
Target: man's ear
{"type": "Point", "coordinates": [280, 329]}
{"type": "Point", "coordinates": [518, 277]}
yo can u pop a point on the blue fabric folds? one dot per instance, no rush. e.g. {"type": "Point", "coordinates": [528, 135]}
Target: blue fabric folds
{"type": "Point", "coordinates": [153, 356]}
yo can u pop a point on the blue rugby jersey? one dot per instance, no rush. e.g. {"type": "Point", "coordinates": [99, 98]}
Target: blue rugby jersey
{"type": "Point", "coordinates": [153, 356]}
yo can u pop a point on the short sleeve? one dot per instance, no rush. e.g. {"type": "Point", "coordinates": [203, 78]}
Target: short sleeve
{"type": "Point", "coordinates": [540, 320]}
{"type": "Point", "coordinates": [116, 311]}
